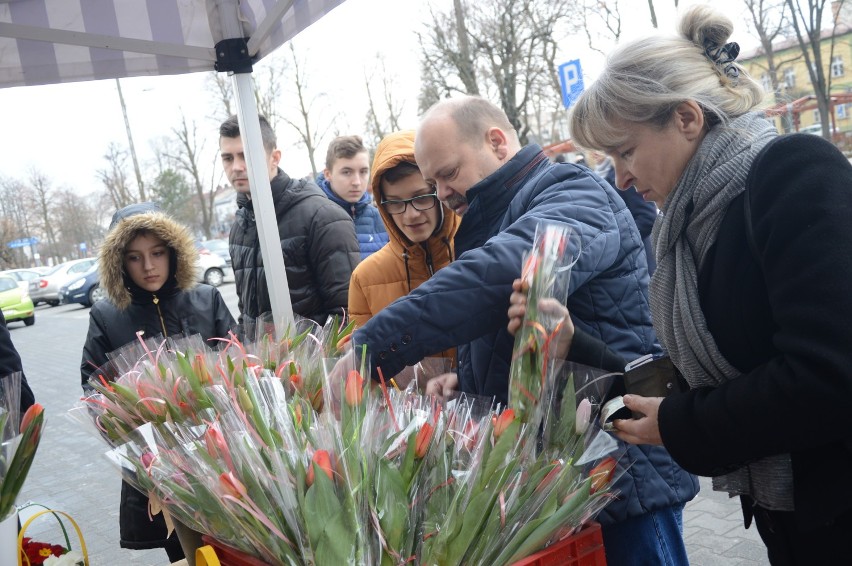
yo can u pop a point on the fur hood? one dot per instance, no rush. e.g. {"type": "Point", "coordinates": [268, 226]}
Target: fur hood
{"type": "Point", "coordinates": [111, 256]}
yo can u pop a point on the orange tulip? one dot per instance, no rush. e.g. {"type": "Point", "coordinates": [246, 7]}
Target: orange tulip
{"type": "Point", "coordinates": [32, 412]}
{"type": "Point", "coordinates": [354, 388]}
{"type": "Point", "coordinates": [503, 421]}
{"type": "Point", "coordinates": [602, 474]}
{"type": "Point", "coordinates": [232, 486]}
{"type": "Point", "coordinates": [323, 460]}
{"type": "Point", "coordinates": [422, 440]}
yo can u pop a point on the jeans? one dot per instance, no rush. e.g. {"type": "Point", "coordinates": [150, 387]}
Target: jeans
{"type": "Point", "coordinates": [652, 539]}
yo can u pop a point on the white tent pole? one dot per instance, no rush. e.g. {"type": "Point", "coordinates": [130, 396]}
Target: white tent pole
{"type": "Point", "coordinates": [261, 192]}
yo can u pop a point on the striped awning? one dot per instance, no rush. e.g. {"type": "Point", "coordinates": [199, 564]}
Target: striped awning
{"type": "Point", "coordinates": [56, 41]}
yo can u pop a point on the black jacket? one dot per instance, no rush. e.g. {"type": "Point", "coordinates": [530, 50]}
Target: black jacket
{"type": "Point", "coordinates": [10, 362]}
{"type": "Point", "coordinates": [780, 313]}
{"type": "Point", "coordinates": [319, 245]}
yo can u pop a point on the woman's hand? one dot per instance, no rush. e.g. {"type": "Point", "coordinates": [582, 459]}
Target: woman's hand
{"type": "Point", "coordinates": [645, 430]}
{"type": "Point", "coordinates": [443, 385]}
{"type": "Point", "coordinates": [550, 307]}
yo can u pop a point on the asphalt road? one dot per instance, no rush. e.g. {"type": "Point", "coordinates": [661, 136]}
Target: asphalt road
{"type": "Point", "coordinates": [70, 473]}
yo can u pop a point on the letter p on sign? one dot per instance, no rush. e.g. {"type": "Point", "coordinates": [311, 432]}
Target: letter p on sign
{"type": "Point", "coordinates": [571, 79]}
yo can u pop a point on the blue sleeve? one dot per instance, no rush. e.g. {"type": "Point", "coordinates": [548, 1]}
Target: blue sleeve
{"type": "Point", "coordinates": [470, 297]}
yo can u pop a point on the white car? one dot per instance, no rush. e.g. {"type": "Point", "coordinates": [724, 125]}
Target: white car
{"type": "Point", "coordinates": [23, 276]}
{"type": "Point", "coordinates": [212, 269]}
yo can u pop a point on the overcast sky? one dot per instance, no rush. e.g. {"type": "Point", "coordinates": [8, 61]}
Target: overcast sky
{"type": "Point", "coordinates": [64, 130]}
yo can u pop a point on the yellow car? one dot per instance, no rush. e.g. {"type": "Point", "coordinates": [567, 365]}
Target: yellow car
{"type": "Point", "coordinates": [15, 302]}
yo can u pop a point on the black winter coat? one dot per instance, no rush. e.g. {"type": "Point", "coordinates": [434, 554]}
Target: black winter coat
{"type": "Point", "coordinates": [10, 362]}
{"type": "Point", "coordinates": [200, 310]}
{"type": "Point", "coordinates": [319, 246]}
{"type": "Point", "coordinates": [780, 313]}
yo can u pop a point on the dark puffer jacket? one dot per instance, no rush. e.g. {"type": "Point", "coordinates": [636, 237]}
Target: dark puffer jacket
{"type": "Point", "coordinates": [369, 228]}
{"type": "Point", "coordinates": [319, 246]}
{"type": "Point", "coordinates": [466, 303]}
{"type": "Point", "coordinates": [181, 307]}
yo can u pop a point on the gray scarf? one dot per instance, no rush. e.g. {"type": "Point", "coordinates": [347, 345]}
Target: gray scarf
{"type": "Point", "coordinates": [683, 234]}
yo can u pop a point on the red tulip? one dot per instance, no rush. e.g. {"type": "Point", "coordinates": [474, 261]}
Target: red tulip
{"type": "Point", "coordinates": [602, 474]}
{"type": "Point", "coordinates": [323, 460]}
{"type": "Point", "coordinates": [423, 439]}
{"type": "Point", "coordinates": [503, 421]}
{"type": "Point", "coordinates": [354, 388]}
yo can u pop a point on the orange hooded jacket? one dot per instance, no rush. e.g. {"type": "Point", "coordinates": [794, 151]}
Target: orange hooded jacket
{"type": "Point", "coordinates": [400, 266]}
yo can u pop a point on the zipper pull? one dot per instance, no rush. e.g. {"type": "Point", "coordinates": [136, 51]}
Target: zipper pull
{"type": "Point", "coordinates": [156, 300]}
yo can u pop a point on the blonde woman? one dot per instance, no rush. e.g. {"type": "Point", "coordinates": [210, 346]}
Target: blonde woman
{"type": "Point", "coordinates": [751, 293]}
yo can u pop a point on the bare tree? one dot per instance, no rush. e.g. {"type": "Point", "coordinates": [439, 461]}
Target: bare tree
{"type": "Point", "coordinates": [308, 123]}
{"type": "Point", "coordinates": [114, 177]}
{"type": "Point", "coordinates": [807, 24]}
{"type": "Point", "coordinates": [268, 89]}
{"type": "Point", "coordinates": [382, 115]}
{"type": "Point", "coordinates": [653, 13]}
{"type": "Point", "coordinates": [512, 46]}
{"type": "Point", "coordinates": [769, 20]}
{"type": "Point", "coordinates": [76, 221]}
{"type": "Point", "coordinates": [601, 22]}
{"type": "Point", "coordinates": [42, 200]}
{"type": "Point", "coordinates": [184, 152]}
{"type": "Point", "coordinates": [219, 85]}
{"type": "Point", "coordinates": [17, 218]}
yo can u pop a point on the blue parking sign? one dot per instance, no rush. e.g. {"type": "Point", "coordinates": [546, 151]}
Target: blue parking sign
{"type": "Point", "coordinates": [571, 79]}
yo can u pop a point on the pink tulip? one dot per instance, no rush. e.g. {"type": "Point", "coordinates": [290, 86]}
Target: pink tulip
{"type": "Point", "coordinates": [584, 415]}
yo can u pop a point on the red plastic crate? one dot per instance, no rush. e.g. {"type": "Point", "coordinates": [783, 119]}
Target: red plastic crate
{"type": "Point", "coordinates": [229, 556]}
{"type": "Point", "coordinates": [584, 548]}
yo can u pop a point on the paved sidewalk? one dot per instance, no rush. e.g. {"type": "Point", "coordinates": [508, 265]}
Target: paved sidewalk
{"type": "Point", "coordinates": [714, 533]}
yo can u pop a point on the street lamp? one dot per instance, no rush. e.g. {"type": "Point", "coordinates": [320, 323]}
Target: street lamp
{"type": "Point", "coordinates": [130, 142]}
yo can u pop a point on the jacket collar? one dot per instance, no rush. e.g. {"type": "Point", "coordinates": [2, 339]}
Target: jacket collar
{"type": "Point", "coordinates": [323, 183]}
{"type": "Point", "coordinates": [489, 199]}
{"type": "Point", "coordinates": [278, 184]}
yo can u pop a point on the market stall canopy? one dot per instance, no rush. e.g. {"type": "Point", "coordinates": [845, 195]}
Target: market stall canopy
{"type": "Point", "coordinates": [56, 41]}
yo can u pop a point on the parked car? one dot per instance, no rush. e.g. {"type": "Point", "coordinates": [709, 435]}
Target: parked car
{"type": "Point", "coordinates": [218, 247]}
{"type": "Point", "coordinates": [15, 302]}
{"type": "Point", "coordinates": [212, 269]}
{"type": "Point", "coordinates": [45, 289]}
{"type": "Point", "coordinates": [23, 276]}
{"type": "Point", "coordinates": [85, 290]}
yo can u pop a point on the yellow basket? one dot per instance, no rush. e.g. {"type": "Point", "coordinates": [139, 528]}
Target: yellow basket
{"type": "Point", "coordinates": [22, 558]}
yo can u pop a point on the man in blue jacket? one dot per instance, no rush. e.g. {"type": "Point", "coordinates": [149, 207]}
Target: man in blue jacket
{"type": "Point", "coordinates": [467, 148]}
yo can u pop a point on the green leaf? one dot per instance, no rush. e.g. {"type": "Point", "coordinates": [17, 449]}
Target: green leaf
{"type": "Point", "coordinates": [391, 504]}
{"type": "Point", "coordinates": [546, 529]}
{"type": "Point", "coordinates": [497, 457]}
{"type": "Point", "coordinates": [322, 509]}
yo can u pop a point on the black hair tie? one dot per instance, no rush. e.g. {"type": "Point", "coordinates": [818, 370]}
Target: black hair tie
{"type": "Point", "coordinates": [725, 56]}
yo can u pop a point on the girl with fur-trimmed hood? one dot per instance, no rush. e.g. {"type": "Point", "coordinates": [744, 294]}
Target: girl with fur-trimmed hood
{"type": "Point", "coordinates": [148, 267]}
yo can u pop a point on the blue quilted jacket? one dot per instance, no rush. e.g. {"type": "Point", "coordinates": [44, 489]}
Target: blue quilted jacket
{"type": "Point", "coordinates": [368, 222]}
{"type": "Point", "coordinates": [465, 303]}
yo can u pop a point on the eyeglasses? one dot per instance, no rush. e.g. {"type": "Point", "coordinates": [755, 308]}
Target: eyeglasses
{"type": "Point", "coordinates": [421, 203]}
